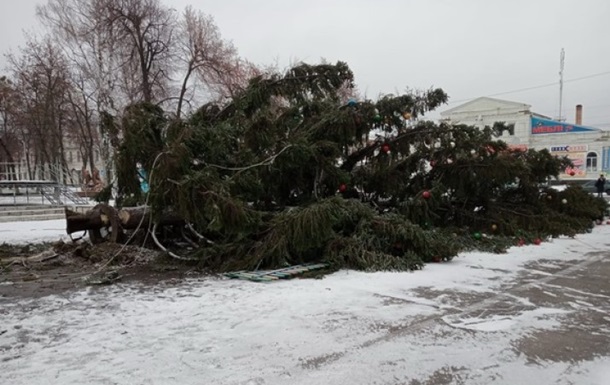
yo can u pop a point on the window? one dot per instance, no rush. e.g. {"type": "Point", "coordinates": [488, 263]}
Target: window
{"type": "Point", "coordinates": [70, 156]}
{"type": "Point", "coordinates": [591, 162]}
{"type": "Point", "coordinates": [77, 156]}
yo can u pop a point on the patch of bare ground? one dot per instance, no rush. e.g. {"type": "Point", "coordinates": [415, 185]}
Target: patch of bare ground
{"type": "Point", "coordinates": [33, 271]}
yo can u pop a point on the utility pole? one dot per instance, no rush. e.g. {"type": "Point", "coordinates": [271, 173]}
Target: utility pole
{"type": "Point", "coordinates": [562, 57]}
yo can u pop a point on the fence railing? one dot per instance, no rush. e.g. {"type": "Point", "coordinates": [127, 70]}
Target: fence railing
{"type": "Point", "coordinates": [45, 172]}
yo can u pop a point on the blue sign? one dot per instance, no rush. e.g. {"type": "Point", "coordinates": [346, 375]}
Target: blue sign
{"type": "Point", "coordinates": [606, 158]}
{"type": "Point", "coordinates": [548, 126]}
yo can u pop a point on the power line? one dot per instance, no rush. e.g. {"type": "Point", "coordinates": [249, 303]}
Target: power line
{"type": "Point", "coordinates": [536, 87]}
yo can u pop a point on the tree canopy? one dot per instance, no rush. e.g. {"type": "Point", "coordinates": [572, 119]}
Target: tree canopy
{"type": "Point", "coordinates": [288, 171]}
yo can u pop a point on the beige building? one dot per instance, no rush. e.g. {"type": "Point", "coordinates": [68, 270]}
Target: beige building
{"type": "Point", "coordinates": [587, 147]}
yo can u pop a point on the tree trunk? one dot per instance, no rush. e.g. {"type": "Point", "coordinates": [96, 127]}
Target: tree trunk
{"type": "Point", "coordinates": [129, 218]}
{"type": "Point", "coordinates": [92, 219]}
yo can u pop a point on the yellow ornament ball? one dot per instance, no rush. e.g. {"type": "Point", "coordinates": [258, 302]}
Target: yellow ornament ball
{"type": "Point", "coordinates": [406, 115]}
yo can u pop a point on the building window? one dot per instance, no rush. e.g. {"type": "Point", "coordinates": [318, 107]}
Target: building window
{"type": "Point", "coordinates": [70, 156]}
{"type": "Point", "coordinates": [591, 162]}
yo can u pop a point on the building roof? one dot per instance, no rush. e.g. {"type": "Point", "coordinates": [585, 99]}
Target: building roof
{"type": "Point", "coordinates": [507, 103]}
{"type": "Point", "coordinates": [540, 116]}
{"type": "Point", "coordinates": [491, 104]}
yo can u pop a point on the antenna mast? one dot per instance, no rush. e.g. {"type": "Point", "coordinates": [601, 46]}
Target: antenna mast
{"type": "Point", "coordinates": [562, 57]}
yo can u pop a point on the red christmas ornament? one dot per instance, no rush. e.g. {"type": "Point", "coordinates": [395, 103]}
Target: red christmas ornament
{"type": "Point", "coordinates": [572, 173]}
{"type": "Point", "coordinates": [342, 187]}
{"type": "Point", "coordinates": [432, 163]}
{"type": "Point", "coordinates": [426, 194]}
{"type": "Point", "coordinates": [436, 259]}
{"type": "Point", "coordinates": [521, 242]}
{"type": "Point", "coordinates": [537, 241]}
{"type": "Point", "coordinates": [608, 222]}
{"type": "Point", "coordinates": [385, 148]}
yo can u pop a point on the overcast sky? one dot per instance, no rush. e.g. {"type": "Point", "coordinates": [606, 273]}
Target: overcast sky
{"type": "Point", "coordinates": [470, 48]}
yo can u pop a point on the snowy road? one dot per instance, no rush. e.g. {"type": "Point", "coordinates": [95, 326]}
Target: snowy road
{"type": "Point", "coordinates": [536, 315]}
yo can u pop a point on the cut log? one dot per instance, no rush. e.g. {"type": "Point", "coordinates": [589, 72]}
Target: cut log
{"type": "Point", "coordinates": [92, 219]}
{"type": "Point", "coordinates": [134, 217]}
{"type": "Point", "coordinates": [129, 218]}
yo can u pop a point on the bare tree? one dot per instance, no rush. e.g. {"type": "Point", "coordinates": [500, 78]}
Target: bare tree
{"type": "Point", "coordinates": [121, 52]}
{"type": "Point", "coordinates": [228, 80]}
{"type": "Point", "coordinates": [104, 55]}
{"type": "Point", "coordinates": [9, 142]}
{"type": "Point", "coordinates": [81, 30]}
{"type": "Point", "coordinates": [145, 29]}
{"type": "Point", "coordinates": [128, 51]}
{"type": "Point", "coordinates": [42, 84]}
{"type": "Point", "coordinates": [203, 53]}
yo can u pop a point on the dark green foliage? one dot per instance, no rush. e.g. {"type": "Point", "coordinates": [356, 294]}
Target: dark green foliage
{"type": "Point", "coordinates": [143, 139]}
{"type": "Point", "coordinates": [260, 177]}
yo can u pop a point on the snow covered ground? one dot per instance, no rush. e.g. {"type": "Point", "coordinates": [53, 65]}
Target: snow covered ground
{"type": "Point", "coordinates": [536, 315]}
{"type": "Point", "coordinates": [33, 232]}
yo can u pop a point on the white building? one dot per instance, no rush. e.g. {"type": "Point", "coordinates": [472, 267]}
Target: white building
{"type": "Point", "coordinates": [587, 147]}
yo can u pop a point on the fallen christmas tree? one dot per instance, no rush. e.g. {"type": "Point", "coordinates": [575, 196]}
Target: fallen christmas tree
{"type": "Point", "coordinates": [290, 172]}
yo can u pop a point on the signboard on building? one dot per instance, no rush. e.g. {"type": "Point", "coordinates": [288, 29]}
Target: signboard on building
{"type": "Point", "coordinates": [570, 148]}
{"type": "Point", "coordinates": [577, 154]}
{"type": "Point", "coordinates": [548, 126]}
{"type": "Point", "coordinates": [606, 159]}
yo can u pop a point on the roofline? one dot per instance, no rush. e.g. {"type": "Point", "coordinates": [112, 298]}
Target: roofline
{"type": "Point", "coordinates": [541, 116]}
{"type": "Point", "coordinates": [485, 98]}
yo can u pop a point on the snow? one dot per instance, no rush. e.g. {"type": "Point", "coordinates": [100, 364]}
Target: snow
{"type": "Point", "coordinates": [456, 322]}
{"type": "Point", "coordinates": [33, 232]}
{"type": "Point", "coordinates": [538, 317]}
{"type": "Point", "coordinates": [559, 187]}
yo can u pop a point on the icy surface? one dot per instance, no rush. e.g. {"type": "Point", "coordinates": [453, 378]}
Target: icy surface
{"type": "Point", "coordinates": [449, 323]}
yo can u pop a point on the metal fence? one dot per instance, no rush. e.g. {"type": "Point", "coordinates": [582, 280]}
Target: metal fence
{"type": "Point", "coordinates": [19, 171]}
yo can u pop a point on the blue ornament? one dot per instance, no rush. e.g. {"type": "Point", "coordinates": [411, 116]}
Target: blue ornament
{"type": "Point", "coordinates": [352, 102]}
{"type": "Point", "coordinates": [143, 178]}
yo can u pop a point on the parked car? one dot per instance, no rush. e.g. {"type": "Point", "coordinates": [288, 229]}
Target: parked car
{"type": "Point", "coordinates": [589, 186]}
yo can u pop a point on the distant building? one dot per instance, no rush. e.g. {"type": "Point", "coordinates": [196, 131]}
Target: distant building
{"type": "Point", "coordinates": [69, 173]}
{"type": "Point", "coordinates": [587, 147]}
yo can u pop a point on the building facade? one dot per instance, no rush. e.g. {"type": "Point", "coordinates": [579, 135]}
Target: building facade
{"type": "Point", "coordinates": [587, 147]}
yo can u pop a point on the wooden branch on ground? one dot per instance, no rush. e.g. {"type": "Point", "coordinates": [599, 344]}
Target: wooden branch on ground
{"type": "Point", "coordinates": [37, 258]}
